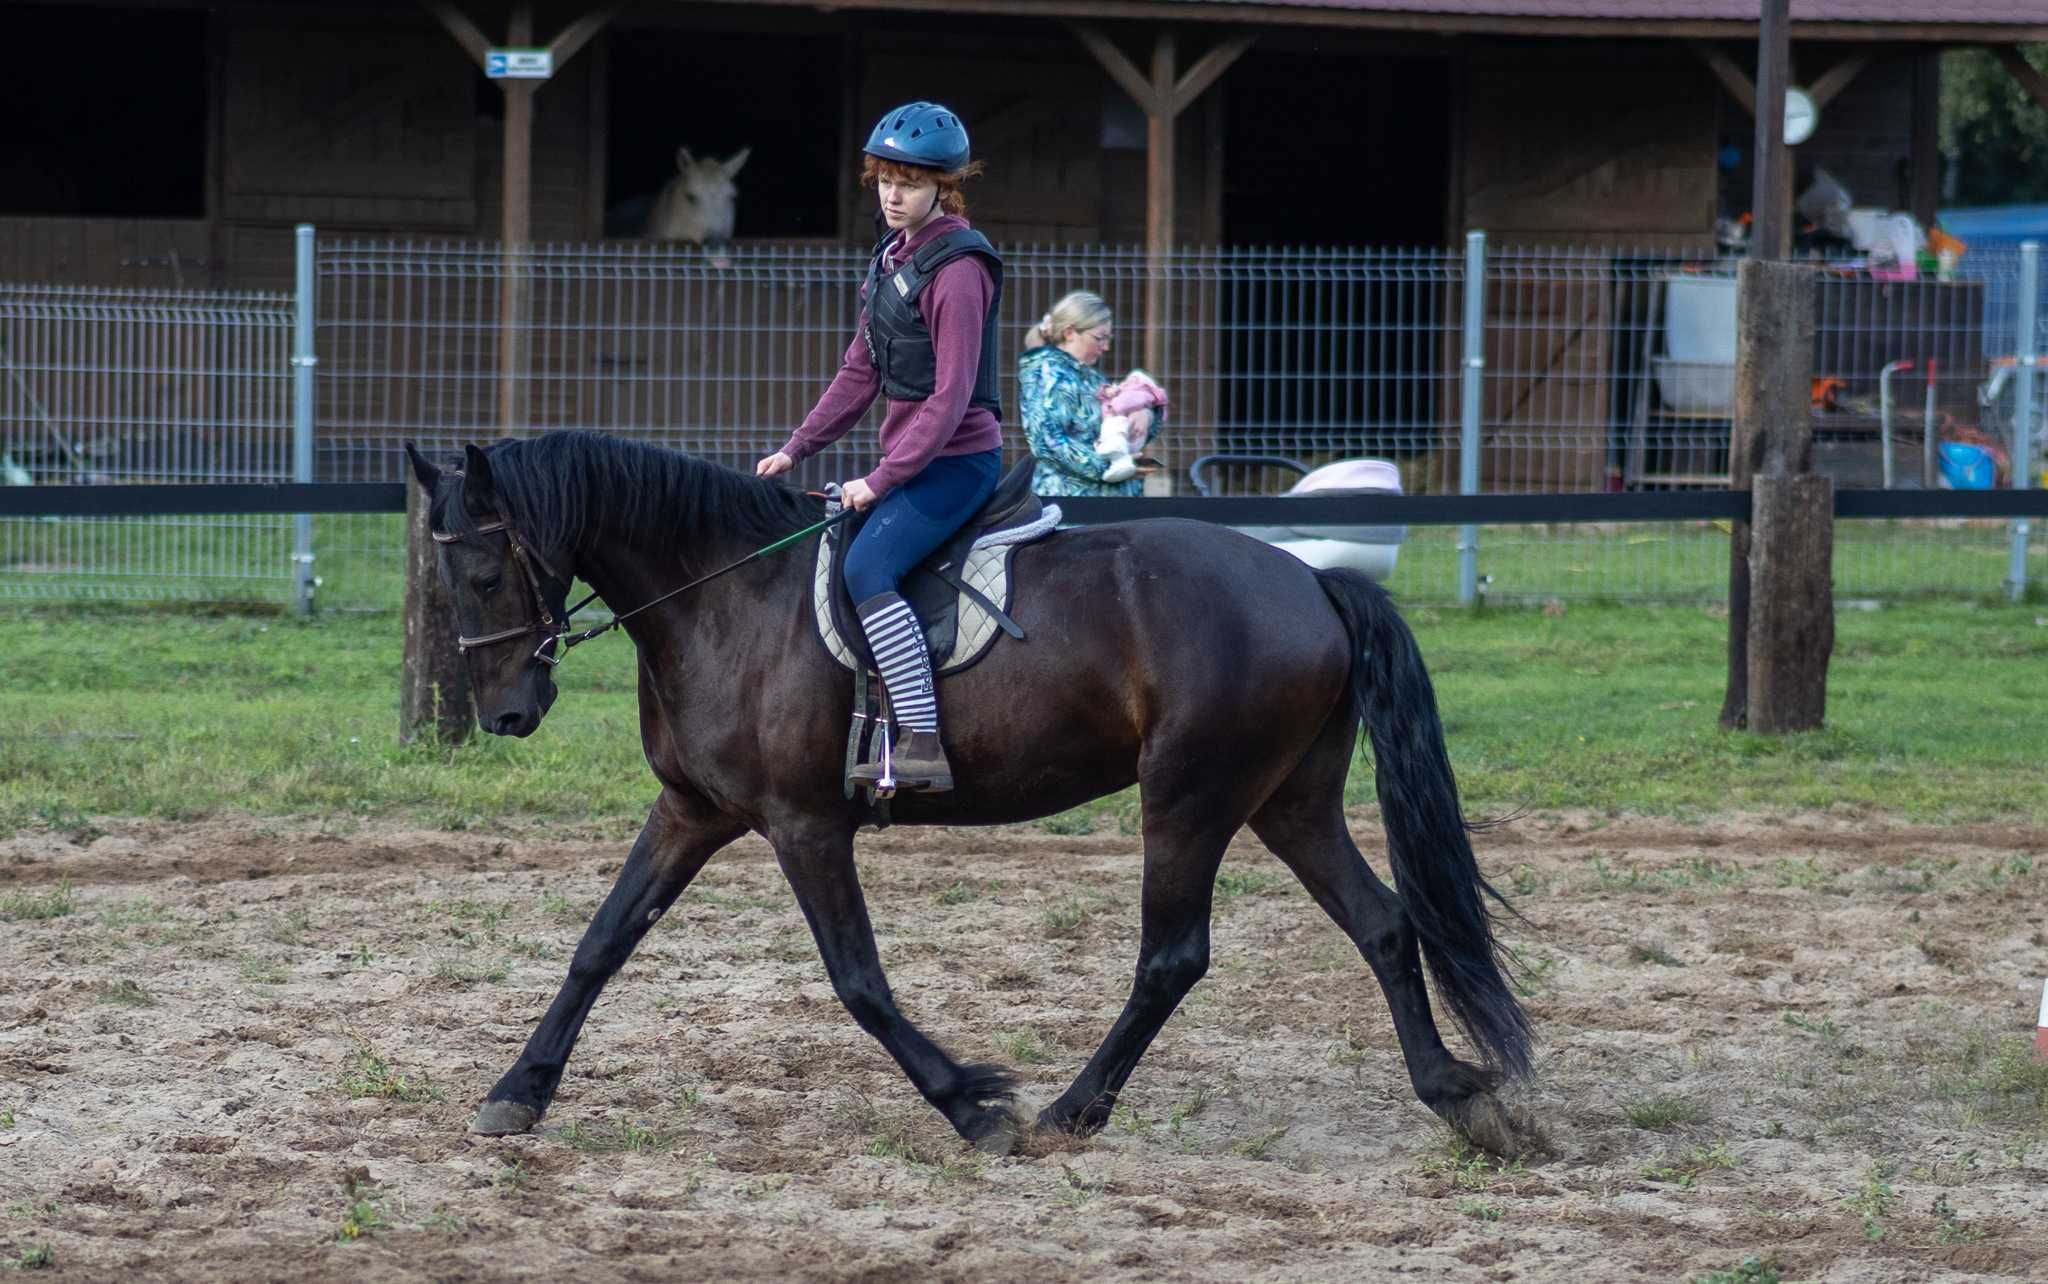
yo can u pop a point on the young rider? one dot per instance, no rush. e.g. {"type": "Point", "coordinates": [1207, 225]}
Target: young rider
{"type": "Point", "coordinates": [926, 340]}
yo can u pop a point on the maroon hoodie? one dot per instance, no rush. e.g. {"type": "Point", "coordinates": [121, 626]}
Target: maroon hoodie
{"type": "Point", "coordinates": [916, 432]}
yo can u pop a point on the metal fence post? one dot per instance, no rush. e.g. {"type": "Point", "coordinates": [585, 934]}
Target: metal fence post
{"type": "Point", "coordinates": [303, 362]}
{"type": "Point", "coordinates": [2027, 368]}
{"type": "Point", "coordinates": [1468, 406]}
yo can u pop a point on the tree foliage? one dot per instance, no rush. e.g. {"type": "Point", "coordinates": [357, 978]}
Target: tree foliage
{"type": "Point", "coordinates": [1994, 136]}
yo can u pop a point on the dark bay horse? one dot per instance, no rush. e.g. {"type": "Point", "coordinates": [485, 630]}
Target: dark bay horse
{"type": "Point", "coordinates": [1225, 678]}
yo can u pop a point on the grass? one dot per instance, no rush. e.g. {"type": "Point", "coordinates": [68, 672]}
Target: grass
{"type": "Point", "coordinates": [112, 711]}
{"type": "Point", "coordinates": [1752, 1270]}
{"type": "Point", "coordinates": [368, 1074]}
{"type": "Point", "coordinates": [1658, 1113]}
{"type": "Point", "coordinates": [21, 905]}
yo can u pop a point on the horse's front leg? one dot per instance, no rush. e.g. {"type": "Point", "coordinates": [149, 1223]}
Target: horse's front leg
{"type": "Point", "coordinates": [974, 1098]}
{"type": "Point", "coordinates": [680, 835]}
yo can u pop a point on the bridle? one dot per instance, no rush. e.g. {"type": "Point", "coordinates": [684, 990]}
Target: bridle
{"type": "Point", "coordinates": [552, 631]}
{"type": "Point", "coordinates": [526, 559]}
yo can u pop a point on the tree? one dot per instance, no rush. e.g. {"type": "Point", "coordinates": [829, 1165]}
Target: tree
{"type": "Point", "coordinates": [1994, 136]}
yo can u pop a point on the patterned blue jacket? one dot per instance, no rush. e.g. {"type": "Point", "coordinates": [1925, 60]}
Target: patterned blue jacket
{"type": "Point", "coordinates": [1062, 418]}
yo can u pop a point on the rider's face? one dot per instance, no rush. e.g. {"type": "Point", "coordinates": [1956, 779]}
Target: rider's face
{"type": "Point", "coordinates": [906, 204]}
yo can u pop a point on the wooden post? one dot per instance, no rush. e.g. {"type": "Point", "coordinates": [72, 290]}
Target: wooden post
{"type": "Point", "coordinates": [434, 700]}
{"type": "Point", "coordinates": [1780, 600]}
{"type": "Point", "coordinates": [1160, 123]}
{"type": "Point", "coordinates": [515, 298]}
{"type": "Point", "coordinates": [1926, 162]}
{"type": "Point", "coordinates": [1771, 195]}
{"type": "Point", "coordinates": [515, 291]}
{"type": "Point", "coordinates": [1163, 96]}
{"type": "Point", "coordinates": [1792, 602]}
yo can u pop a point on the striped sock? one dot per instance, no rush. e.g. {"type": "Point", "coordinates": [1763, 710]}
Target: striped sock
{"type": "Point", "coordinates": [897, 640]}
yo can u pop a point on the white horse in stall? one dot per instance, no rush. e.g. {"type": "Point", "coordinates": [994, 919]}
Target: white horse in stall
{"type": "Point", "coordinates": [698, 204]}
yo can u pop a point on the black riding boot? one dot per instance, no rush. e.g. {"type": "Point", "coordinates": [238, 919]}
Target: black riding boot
{"type": "Point", "coordinates": [917, 762]}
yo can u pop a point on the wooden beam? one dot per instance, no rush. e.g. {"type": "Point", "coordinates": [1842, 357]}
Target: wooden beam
{"type": "Point", "coordinates": [1119, 67]}
{"type": "Point", "coordinates": [1836, 78]}
{"type": "Point", "coordinates": [515, 301]}
{"type": "Point", "coordinates": [2023, 71]}
{"type": "Point", "coordinates": [578, 33]}
{"type": "Point", "coordinates": [1159, 140]}
{"type": "Point", "coordinates": [1926, 144]}
{"type": "Point", "coordinates": [1207, 68]}
{"type": "Point", "coordinates": [466, 33]}
{"type": "Point", "coordinates": [1732, 77]}
{"type": "Point", "coordinates": [1313, 16]}
{"type": "Point", "coordinates": [1770, 234]}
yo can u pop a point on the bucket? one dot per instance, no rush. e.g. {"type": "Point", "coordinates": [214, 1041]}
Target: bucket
{"type": "Point", "coordinates": [1966, 467]}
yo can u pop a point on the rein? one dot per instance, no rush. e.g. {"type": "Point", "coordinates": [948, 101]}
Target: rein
{"type": "Point", "coordinates": [527, 558]}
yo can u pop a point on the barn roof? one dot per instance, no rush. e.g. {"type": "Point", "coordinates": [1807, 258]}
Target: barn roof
{"type": "Point", "coordinates": [1987, 21]}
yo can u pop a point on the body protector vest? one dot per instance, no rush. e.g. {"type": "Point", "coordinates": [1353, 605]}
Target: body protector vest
{"type": "Point", "coordinates": [900, 343]}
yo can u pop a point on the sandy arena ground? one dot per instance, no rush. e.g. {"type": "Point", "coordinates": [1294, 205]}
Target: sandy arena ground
{"type": "Point", "coordinates": [249, 1050]}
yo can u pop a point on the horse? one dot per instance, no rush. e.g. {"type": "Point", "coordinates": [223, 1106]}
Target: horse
{"type": "Point", "coordinates": [1226, 679]}
{"type": "Point", "coordinates": [698, 204]}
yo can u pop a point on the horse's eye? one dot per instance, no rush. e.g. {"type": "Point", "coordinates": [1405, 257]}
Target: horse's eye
{"type": "Point", "coordinates": [490, 584]}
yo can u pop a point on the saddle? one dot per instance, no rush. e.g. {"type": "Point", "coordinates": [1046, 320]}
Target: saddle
{"type": "Point", "coordinates": [961, 594]}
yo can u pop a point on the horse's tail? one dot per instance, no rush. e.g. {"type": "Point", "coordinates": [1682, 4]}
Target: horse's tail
{"type": "Point", "coordinates": [1438, 878]}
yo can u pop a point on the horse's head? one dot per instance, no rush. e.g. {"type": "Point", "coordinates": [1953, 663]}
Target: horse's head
{"type": "Point", "coordinates": [699, 202]}
{"type": "Point", "coordinates": [508, 598]}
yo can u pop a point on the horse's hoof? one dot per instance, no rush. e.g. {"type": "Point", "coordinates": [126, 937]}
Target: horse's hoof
{"type": "Point", "coordinates": [996, 1137]}
{"type": "Point", "coordinates": [504, 1119]}
{"type": "Point", "coordinates": [1489, 1126]}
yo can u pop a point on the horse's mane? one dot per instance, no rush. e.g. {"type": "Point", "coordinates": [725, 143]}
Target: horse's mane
{"type": "Point", "coordinates": [564, 488]}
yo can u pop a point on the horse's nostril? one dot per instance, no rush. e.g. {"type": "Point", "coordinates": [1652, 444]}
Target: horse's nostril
{"type": "Point", "coordinates": [507, 724]}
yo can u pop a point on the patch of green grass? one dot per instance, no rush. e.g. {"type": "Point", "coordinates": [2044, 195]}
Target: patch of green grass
{"type": "Point", "coordinates": [1463, 1168]}
{"type": "Point", "coordinates": [361, 1219]}
{"type": "Point", "coordinates": [610, 1138]}
{"type": "Point", "coordinates": [125, 993]}
{"type": "Point", "coordinates": [1068, 824]}
{"type": "Point", "coordinates": [1753, 1270]}
{"type": "Point", "coordinates": [1996, 1078]}
{"type": "Point", "coordinates": [6, 1119]}
{"type": "Point", "coordinates": [258, 970]}
{"type": "Point", "coordinates": [22, 905]}
{"type": "Point", "coordinates": [1023, 1047]}
{"type": "Point", "coordinates": [1657, 954]}
{"type": "Point", "coordinates": [1481, 1210]}
{"type": "Point", "coordinates": [38, 1257]}
{"type": "Point", "coordinates": [1684, 1172]}
{"type": "Point", "coordinates": [1874, 1200]}
{"type": "Point", "coordinates": [368, 1074]}
{"type": "Point", "coordinates": [957, 894]}
{"type": "Point", "coordinates": [1662, 1111]}
{"type": "Point", "coordinates": [1233, 883]}
{"type": "Point", "coordinates": [466, 972]}
{"type": "Point", "coordinates": [1256, 1145]}
{"type": "Point", "coordinates": [1067, 918]}
{"type": "Point", "coordinates": [128, 712]}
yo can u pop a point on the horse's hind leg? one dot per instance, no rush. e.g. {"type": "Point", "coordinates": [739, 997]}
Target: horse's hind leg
{"type": "Point", "coordinates": [974, 1098]}
{"type": "Point", "coordinates": [1184, 842]}
{"type": "Point", "coordinates": [680, 835]}
{"type": "Point", "coordinates": [1303, 824]}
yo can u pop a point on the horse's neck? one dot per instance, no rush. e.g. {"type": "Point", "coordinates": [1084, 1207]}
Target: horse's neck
{"type": "Point", "coordinates": [628, 577]}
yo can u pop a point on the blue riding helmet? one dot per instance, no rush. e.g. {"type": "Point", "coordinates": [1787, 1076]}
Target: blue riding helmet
{"type": "Point", "coordinates": [920, 134]}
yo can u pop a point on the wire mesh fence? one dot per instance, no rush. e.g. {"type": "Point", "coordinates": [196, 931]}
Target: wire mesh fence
{"type": "Point", "coordinates": [109, 386]}
{"type": "Point", "coordinates": [1604, 369]}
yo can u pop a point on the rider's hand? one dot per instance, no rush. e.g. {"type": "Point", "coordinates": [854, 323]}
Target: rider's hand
{"type": "Point", "coordinates": [858, 496]}
{"type": "Point", "coordinates": [774, 465]}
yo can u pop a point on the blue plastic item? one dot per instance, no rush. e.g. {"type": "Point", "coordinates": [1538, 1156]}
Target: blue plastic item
{"type": "Point", "coordinates": [1966, 467]}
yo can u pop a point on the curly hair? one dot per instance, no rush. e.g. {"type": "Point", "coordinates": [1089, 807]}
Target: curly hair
{"type": "Point", "coordinates": [952, 200]}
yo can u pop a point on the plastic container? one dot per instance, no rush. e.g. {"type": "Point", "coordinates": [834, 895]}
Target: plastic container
{"type": "Point", "coordinates": [1699, 319]}
{"type": "Point", "coordinates": [1695, 387]}
{"type": "Point", "coordinates": [1966, 467]}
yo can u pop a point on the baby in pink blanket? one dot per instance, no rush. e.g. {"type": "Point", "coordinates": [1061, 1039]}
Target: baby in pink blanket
{"type": "Point", "coordinates": [1129, 407]}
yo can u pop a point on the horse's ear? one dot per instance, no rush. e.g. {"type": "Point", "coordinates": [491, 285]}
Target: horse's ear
{"type": "Point", "coordinates": [479, 492]}
{"type": "Point", "coordinates": [733, 162]}
{"type": "Point", "coordinates": [423, 469]}
{"type": "Point", "coordinates": [684, 160]}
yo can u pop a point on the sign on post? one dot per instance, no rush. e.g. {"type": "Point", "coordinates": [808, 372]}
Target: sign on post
{"type": "Point", "coordinates": [519, 64]}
